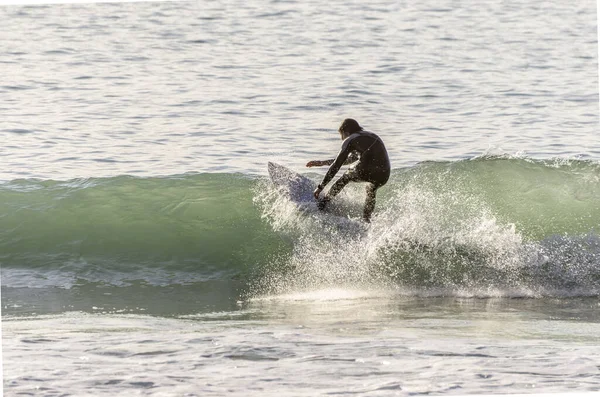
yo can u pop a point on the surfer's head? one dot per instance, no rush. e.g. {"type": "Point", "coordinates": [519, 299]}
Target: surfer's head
{"type": "Point", "coordinates": [349, 127]}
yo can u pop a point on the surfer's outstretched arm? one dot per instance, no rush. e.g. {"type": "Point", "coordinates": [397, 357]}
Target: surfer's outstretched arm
{"type": "Point", "coordinates": [319, 163]}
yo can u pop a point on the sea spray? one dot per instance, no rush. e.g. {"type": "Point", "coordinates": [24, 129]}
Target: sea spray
{"type": "Point", "coordinates": [326, 247]}
{"type": "Point", "coordinates": [445, 229]}
{"type": "Point", "coordinates": [420, 238]}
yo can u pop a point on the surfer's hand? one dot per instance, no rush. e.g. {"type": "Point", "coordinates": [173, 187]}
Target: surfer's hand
{"type": "Point", "coordinates": [314, 163]}
{"type": "Point", "coordinates": [317, 191]}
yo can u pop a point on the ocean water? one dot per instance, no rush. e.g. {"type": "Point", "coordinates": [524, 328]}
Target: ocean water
{"type": "Point", "coordinates": [144, 251]}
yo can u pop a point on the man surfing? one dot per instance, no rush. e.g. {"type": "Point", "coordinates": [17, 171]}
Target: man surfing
{"type": "Point", "coordinates": [373, 165]}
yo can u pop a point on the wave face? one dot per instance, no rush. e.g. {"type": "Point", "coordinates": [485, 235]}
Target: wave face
{"type": "Point", "coordinates": [166, 230]}
{"type": "Point", "coordinates": [490, 226]}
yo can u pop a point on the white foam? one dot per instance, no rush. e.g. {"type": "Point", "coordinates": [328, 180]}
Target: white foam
{"type": "Point", "coordinates": [422, 240]}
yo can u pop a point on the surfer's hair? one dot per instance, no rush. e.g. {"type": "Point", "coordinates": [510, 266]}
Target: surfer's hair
{"type": "Point", "coordinates": [350, 126]}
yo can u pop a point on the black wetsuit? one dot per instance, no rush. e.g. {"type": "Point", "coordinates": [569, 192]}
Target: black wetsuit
{"type": "Point", "coordinates": [373, 167]}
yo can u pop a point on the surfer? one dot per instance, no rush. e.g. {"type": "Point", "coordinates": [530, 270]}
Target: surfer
{"type": "Point", "coordinates": [373, 165]}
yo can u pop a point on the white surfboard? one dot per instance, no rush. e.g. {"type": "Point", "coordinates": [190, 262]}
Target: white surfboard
{"type": "Point", "coordinates": [298, 188]}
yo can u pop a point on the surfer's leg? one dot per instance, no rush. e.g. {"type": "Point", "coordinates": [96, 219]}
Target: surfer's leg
{"type": "Point", "coordinates": [340, 184]}
{"type": "Point", "coordinates": [369, 202]}
{"type": "Point", "coordinates": [336, 188]}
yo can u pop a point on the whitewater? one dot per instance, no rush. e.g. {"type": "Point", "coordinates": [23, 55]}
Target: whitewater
{"type": "Point", "coordinates": [145, 251]}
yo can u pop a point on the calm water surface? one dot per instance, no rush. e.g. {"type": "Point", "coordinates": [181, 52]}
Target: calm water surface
{"type": "Point", "coordinates": [166, 88]}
